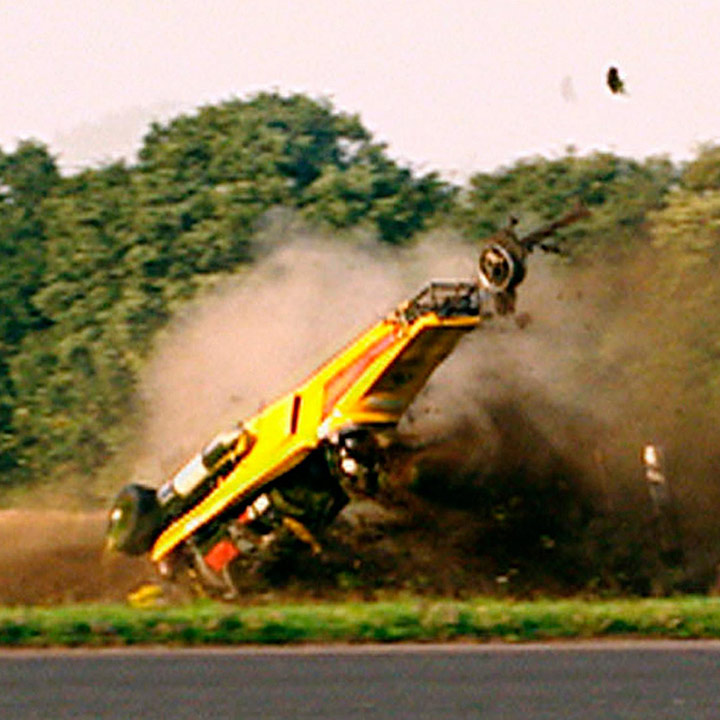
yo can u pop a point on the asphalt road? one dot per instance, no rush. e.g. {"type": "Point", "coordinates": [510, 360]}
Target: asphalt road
{"type": "Point", "coordinates": [589, 681]}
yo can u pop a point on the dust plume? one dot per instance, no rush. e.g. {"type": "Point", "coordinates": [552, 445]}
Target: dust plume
{"type": "Point", "coordinates": [528, 440]}
{"type": "Point", "coordinates": [257, 335]}
{"type": "Point", "coordinates": [544, 428]}
{"type": "Point", "coordinates": [521, 468]}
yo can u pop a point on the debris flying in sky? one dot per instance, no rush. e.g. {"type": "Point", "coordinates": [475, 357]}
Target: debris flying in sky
{"type": "Point", "coordinates": [615, 82]}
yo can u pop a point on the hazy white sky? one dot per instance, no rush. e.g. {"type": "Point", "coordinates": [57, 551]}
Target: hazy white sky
{"type": "Point", "coordinates": [453, 85]}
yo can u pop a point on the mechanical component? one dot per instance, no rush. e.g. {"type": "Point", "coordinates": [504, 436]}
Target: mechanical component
{"type": "Point", "coordinates": [498, 270]}
{"type": "Point", "coordinates": [221, 554]}
{"type": "Point", "coordinates": [227, 449]}
{"type": "Point", "coordinates": [302, 533]}
{"type": "Point", "coordinates": [188, 479]}
{"type": "Point", "coordinates": [502, 262]}
{"type": "Point", "coordinates": [357, 461]}
{"type": "Point", "coordinates": [135, 520]}
{"type": "Point", "coordinates": [253, 511]}
{"type": "Point", "coordinates": [217, 459]}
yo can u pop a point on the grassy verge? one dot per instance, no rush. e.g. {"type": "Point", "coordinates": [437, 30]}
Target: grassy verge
{"type": "Point", "coordinates": [409, 620]}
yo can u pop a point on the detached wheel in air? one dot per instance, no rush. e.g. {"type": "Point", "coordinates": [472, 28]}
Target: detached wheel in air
{"type": "Point", "coordinates": [134, 520]}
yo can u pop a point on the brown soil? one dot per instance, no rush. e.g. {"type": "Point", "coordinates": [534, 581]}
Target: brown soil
{"type": "Point", "coordinates": [52, 557]}
{"type": "Point", "coordinates": [490, 542]}
{"type": "Point", "coordinates": [49, 557]}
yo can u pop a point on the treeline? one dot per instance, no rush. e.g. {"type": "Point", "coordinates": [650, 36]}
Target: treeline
{"type": "Point", "coordinates": [93, 264]}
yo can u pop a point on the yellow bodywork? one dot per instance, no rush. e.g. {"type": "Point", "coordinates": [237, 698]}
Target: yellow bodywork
{"type": "Point", "coordinates": [371, 382]}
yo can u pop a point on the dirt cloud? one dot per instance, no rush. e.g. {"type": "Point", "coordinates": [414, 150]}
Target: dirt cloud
{"type": "Point", "coordinates": [526, 470]}
{"type": "Point", "coordinates": [538, 430]}
{"type": "Point", "coordinates": [257, 335]}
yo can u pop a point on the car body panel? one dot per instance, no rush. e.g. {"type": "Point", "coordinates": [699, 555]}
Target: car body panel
{"type": "Point", "coordinates": [371, 382]}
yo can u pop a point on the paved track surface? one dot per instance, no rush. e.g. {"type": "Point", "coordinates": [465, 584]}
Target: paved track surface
{"type": "Point", "coordinates": [599, 681]}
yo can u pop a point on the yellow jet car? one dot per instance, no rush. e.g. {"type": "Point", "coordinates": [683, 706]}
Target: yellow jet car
{"type": "Point", "coordinates": [286, 472]}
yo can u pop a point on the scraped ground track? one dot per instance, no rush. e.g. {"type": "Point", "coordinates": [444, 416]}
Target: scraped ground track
{"type": "Point", "coordinates": [51, 557]}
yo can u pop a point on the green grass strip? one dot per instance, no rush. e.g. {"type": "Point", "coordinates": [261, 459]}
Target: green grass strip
{"type": "Point", "coordinates": [403, 620]}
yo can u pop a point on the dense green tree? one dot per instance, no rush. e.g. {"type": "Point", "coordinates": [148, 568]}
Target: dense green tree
{"type": "Point", "coordinates": [373, 188]}
{"type": "Point", "coordinates": [72, 378]}
{"type": "Point", "coordinates": [27, 176]}
{"type": "Point", "coordinates": [110, 253]}
{"type": "Point", "coordinates": [703, 173]}
{"type": "Point", "coordinates": [685, 291]}
{"type": "Point", "coordinates": [293, 151]}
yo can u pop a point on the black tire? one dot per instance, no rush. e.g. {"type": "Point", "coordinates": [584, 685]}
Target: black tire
{"type": "Point", "coordinates": [134, 520]}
